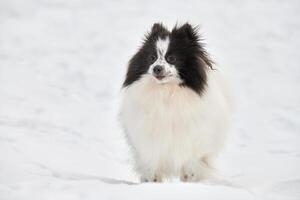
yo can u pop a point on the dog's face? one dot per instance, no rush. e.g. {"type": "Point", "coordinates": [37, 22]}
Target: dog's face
{"type": "Point", "coordinates": [163, 63]}
{"type": "Point", "coordinates": [175, 56]}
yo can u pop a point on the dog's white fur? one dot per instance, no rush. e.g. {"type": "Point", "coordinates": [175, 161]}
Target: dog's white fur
{"type": "Point", "coordinates": [174, 131]}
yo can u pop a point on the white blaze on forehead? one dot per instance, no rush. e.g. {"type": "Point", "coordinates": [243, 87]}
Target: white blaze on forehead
{"type": "Point", "coordinates": [162, 46]}
{"type": "Point", "coordinates": [170, 71]}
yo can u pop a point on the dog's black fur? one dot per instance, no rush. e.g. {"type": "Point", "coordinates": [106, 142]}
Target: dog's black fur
{"type": "Point", "coordinates": [192, 61]}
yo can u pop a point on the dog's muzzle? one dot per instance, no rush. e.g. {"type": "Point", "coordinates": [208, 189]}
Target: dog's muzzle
{"type": "Point", "coordinates": [159, 72]}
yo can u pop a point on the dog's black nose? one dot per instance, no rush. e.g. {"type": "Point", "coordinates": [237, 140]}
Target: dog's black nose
{"type": "Point", "coordinates": [158, 70]}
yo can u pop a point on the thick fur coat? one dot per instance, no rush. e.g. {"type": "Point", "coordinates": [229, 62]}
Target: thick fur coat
{"type": "Point", "coordinates": [176, 106]}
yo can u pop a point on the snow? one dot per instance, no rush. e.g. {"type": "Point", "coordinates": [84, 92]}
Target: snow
{"type": "Point", "coordinates": [61, 67]}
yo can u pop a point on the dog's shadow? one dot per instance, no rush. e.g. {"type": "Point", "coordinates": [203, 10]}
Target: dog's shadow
{"type": "Point", "coordinates": [63, 175]}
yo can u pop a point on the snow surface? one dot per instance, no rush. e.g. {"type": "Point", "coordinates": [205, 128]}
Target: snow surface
{"type": "Point", "coordinates": [61, 67]}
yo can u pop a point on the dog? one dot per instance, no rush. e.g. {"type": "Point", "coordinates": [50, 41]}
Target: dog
{"type": "Point", "coordinates": [176, 106]}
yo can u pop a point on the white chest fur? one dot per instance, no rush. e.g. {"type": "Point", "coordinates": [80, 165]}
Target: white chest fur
{"type": "Point", "coordinates": [167, 125]}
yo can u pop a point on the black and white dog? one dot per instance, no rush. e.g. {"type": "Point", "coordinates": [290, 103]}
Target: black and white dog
{"type": "Point", "coordinates": [176, 106]}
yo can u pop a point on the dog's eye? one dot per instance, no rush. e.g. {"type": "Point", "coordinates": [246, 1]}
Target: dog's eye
{"type": "Point", "coordinates": [171, 59]}
{"type": "Point", "coordinates": [152, 58]}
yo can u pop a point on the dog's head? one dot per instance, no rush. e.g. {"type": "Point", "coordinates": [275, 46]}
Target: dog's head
{"type": "Point", "coordinates": [171, 56]}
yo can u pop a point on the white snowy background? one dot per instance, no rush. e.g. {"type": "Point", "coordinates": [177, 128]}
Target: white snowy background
{"type": "Point", "coordinates": [62, 64]}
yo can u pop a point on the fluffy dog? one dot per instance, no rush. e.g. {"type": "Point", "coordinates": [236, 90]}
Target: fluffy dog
{"type": "Point", "coordinates": [176, 106]}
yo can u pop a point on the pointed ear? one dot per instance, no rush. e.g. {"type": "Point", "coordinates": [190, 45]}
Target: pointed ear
{"type": "Point", "coordinates": [188, 31]}
{"type": "Point", "coordinates": [158, 27]}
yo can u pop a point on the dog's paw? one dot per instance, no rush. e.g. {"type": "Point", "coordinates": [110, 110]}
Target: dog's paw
{"type": "Point", "coordinates": [188, 177]}
{"type": "Point", "coordinates": [149, 178]}
{"type": "Point", "coordinates": [195, 171]}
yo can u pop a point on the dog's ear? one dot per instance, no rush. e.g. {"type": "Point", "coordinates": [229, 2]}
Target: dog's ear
{"type": "Point", "coordinates": [157, 27]}
{"type": "Point", "coordinates": [190, 33]}
{"type": "Point", "coordinates": [157, 30]}
{"type": "Point", "coordinates": [187, 31]}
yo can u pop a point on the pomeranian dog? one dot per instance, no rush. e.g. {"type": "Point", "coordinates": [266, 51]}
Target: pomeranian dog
{"type": "Point", "coordinates": [176, 106]}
